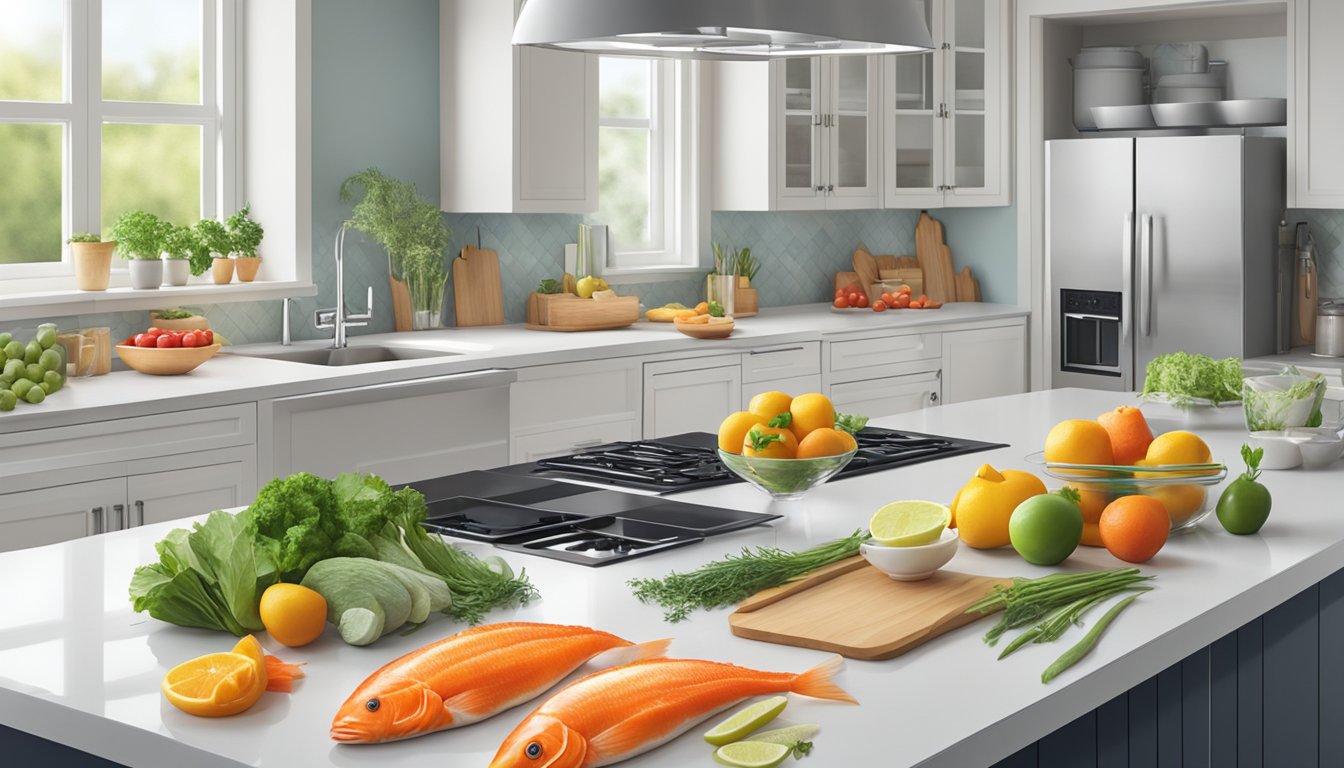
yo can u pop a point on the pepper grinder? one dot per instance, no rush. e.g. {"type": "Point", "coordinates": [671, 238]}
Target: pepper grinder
{"type": "Point", "coordinates": [1306, 285]}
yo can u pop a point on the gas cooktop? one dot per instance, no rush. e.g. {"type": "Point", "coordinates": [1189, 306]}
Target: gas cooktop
{"type": "Point", "coordinates": [689, 462]}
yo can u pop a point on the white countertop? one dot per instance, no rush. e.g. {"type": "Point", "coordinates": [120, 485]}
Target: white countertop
{"type": "Point", "coordinates": [228, 379]}
{"type": "Point", "coordinates": [78, 667]}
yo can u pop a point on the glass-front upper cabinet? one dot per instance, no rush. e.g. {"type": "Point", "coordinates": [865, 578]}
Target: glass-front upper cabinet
{"type": "Point", "coordinates": [800, 140]}
{"type": "Point", "coordinates": [947, 133]}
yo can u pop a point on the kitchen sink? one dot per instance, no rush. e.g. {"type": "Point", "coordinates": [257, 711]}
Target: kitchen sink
{"type": "Point", "coordinates": [349, 355]}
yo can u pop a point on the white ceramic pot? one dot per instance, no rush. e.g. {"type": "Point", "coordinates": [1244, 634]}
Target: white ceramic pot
{"type": "Point", "coordinates": [1104, 87]}
{"type": "Point", "coordinates": [146, 274]}
{"type": "Point", "coordinates": [176, 271]}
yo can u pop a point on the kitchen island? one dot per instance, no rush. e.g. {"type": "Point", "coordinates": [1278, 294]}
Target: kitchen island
{"type": "Point", "coordinates": [77, 667]}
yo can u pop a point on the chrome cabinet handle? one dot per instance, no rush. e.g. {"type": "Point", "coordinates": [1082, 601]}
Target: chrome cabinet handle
{"type": "Point", "coordinates": [830, 188]}
{"type": "Point", "coordinates": [775, 351]}
{"type": "Point", "coordinates": [596, 441]}
{"type": "Point", "coordinates": [139, 513]}
{"type": "Point", "coordinates": [1127, 277]}
{"type": "Point", "coordinates": [1146, 273]}
{"type": "Point", "coordinates": [120, 510]}
{"type": "Point", "coordinates": [933, 397]}
{"type": "Point", "coordinates": [95, 521]}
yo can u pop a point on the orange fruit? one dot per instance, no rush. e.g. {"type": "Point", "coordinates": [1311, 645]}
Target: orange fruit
{"type": "Point", "coordinates": [1092, 503]}
{"type": "Point", "coordinates": [1091, 535]}
{"type": "Point", "coordinates": [825, 442]}
{"type": "Point", "coordinates": [784, 446]}
{"type": "Point", "coordinates": [733, 430]}
{"type": "Point", "coordinates": [1177, 448]}
{"type": "Point", "coordinates": [1130, 435]}
{"type": "Point", "coordinates": [768, 405]}
{"type": "Point", "coordinates": [984, 505]}
{"type": "Point", "coordinates": [811, 411]}
{"type": "Point", "coordinates": [218, 684]}
{"type": "Point", "coordinates": [1182, 500]}
{"type": "Point", "coordinates": [702, 308]}
{"type": "Point", "coordinates": [293, 614]}
{"type": "Point", "coordinates": [1079, 441]}
{"type": "Point", "coordinates": [1134, 528]}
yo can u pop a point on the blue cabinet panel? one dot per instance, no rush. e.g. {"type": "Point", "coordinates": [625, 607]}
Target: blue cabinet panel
{"type": "Point", "coordinates": [1291, 661]}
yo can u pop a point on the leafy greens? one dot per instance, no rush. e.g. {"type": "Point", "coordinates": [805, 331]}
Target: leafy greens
{"type": "Point", "coordinates": [1184, 378]}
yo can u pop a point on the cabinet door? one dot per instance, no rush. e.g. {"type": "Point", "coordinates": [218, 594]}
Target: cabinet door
{"type": "Point", "coordinates": [1315, 153]}
{"type": "Point", "coordinates": [161, 496]}
{"type": "Point", "coordinates": [888, 396]}
{"type": "Point", "coordinates": [913, 135]}
{"type": "Point", "coordinates": [986, 362]}
{"type": "Point", "coordinates": [795, 386]}
{"type": "Point", "coordinates": [556, 164]}
{"type": "Point", "coordinates": [976, 68]}
{"type": "Point", "coordinates": [852, 126]}
{"type": "Point", "coordinates": [799, 135]}
{"type": "Point", "coordinates": [51, 515]}
{"type": "Point", "coordinates": [690, 396]}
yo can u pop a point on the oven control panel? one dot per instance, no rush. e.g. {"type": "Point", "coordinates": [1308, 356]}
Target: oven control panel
{"type": "Point", "coordinates": [1103, 303]}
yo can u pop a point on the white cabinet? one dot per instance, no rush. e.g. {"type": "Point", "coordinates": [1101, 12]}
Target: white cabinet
{"type": "Point", "coordinates": [984, 362]}
{"type": "Point", "coordinates": [945, 112]}
{"type": "Point", "coordinates": [876, 398]}
{"type": "Point", "coordinates": [159, 496]}
{"type": "Point", "coordinates": [1315, 153]}
{"type": "Point", "coordinates": [518, 125]}
{"type": "Point", "coordinates": [559, 409]}
{"type": "Point", "coordinates": [692, 395]}
{"type": "Point", "coordinates": [797, 134]}
{"type": "Point", "coordinates": [406, 431]}
{"type": "Point", "coordinates": [49, 515]}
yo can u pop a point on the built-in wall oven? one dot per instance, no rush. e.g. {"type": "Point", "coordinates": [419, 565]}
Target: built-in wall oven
{"type": "Point", "coordinates": [1091, 343]}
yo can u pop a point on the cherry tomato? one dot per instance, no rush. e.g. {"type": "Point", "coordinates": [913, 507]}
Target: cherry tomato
{"type": "Point", "coordinates": [886, 298]}
{"type": "Point", "coordinates": [129, 342]}
{"type": "Point", "coordinates": [931, 304]}
{"type": "Point", "coordinates": [207, 337]}
{"type": "Point", "coordinates": [902, 300]}
{"type": "Point", "coordinates": [903, 289]}
{"type": "Point", "coordinates": [191, 339]}
{"type": "Point", "coordinates": [154, 331]}
{"type": "Point", "coordinates": [863, 301]}
{"type": "Point", "coordinates": [168, 341]}
{"type": "Point", "coordinates": [923, 298]}
{"type": "Point", "coordinates": [839, 293]}
{"type": "Point", "coordinates": [916, 304]}
{"type": "Point", "coordinates": [840, 302]}
{"type": "Point", "coordinates": [879, 306]}
{"type": "Point", "coordinates": [145, 340]}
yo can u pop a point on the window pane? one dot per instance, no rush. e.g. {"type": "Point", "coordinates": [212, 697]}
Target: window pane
{"type": "Point", "coordinates": [152, 50]}
{"type": "Point", "coordinates": [624, 186]}
{"type": "Point", "coordinates": [156, 168]}
{"type": "Point", "coordinates": [31, 50]}
{"type": "Point", "coordinates": [624, 86]}
{"type": "Point", "coordinates": [30, 197]}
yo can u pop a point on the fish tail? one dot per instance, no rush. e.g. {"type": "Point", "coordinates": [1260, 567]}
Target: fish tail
{"type": "Point", "coordinates": [626, 654]}
{"type": "Point", "coordinates": [816, 682]}
{"type": "Point", "coordinates": [280, 676]}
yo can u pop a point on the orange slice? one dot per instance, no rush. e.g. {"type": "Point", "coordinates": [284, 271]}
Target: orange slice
{"type": "Point", "coordinates": [216, 684]}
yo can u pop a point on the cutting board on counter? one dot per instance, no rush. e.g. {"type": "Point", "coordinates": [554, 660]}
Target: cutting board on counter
{"type": "Point", "coordinates": [855, 610]}
{"type": "Point", "coordinates": [934, 258]}
{"type": "Point", "coordinates": [477, 297]}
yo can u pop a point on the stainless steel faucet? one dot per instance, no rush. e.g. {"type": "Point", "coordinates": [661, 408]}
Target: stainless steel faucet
{"type": "Point", "coordinates": [339, 317]}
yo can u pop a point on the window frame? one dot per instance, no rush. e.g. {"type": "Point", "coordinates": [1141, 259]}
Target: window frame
{"type": "Point", "coordinates": [675, 174]}
{"type": "Point", "coordinates": [81, 114]}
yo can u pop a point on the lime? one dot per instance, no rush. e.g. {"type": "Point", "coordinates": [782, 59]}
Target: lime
{"type": "Point", "coordinates": [1045, 529]}
{"type": "Point", "coordinates": [909, 523]}
{"type": "Point", "coordinates": [35, 395]}
{"type": "Point", "coordinates": [790, 736]}
{"type": "Point", "coordinates": [14, 350]}
{"type": "Point", "coordinates": [32, 352]}
{"type": "Point", "coordinates": [46, 336]}
{"type": "Point", "coordinates": [8, 400]}
{"type": "Point", "coordinates": [746, 721]}
{"type": "Point", "coordinates": [20, 388]}
{"type": "Point", "coordinates": [752, 754]}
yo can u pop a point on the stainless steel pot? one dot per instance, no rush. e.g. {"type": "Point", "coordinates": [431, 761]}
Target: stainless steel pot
{"type": "Point", "coordinates": [1330, 329]}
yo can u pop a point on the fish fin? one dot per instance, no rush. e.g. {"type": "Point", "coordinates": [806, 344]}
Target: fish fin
{"type": "Point", "coordinates": [625, 654]}
{"type": "Point", "coordinates": [474, 704]}
{"type": "Point", "coordinates": [816, 682]}
{"type": "Point", "coordinates": [280, 675]}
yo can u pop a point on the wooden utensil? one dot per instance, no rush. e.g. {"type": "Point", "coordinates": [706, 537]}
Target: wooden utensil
{"type": "Point", "coordinates": [865, 266]}
{"type": "Point", "coordinates": [853, 609]}
{"type": "Point", "coordinates": [704, 330]}
{"type": "Point", "coordinates": [934, 259]}
{"type": "Point", "coordinates": [885, 262]}
{"type": "Point", "coordinates": [968, 288]}
{"type": "Point", "coordinates": [477, 297]}
{"type": "Point", "coordinates": [566, 312]}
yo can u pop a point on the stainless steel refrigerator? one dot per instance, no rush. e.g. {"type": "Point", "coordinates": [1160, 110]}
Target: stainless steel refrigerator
{"type": "Point", "coordinates": [1156, 245]}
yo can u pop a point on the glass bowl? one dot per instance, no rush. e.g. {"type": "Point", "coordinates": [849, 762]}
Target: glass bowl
{"type": "Point", "coordinates": [785, 479]}
{"type": "Point", "coordinates": [1182, 488]}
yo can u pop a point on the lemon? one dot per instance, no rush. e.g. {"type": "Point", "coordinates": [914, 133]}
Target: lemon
{"type": "Point", "coordinates": [746, 721]}
{"type": "Point", "coordinates": [790, 736]}
{"type": "Point", "coordinates": [909, 523]}
{"type": "Point", "coordinates": [752, 754]}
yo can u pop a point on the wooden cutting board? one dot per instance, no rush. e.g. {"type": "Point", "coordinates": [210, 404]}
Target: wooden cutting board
{"type": "Point", "coordinates": [968, 288]}
{"type": "Point", "coordinates": [476, 293]}
{"type": "Point", "coordinates": [843, 279]}
{"type": "Point", "coordinates": [865, 266]}
{"type": "Point", "coordinates": [934, 258]}
{"type": "Point", "coordinates": [855, 610]}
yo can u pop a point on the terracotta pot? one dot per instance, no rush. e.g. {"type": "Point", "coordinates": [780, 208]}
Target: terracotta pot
{"type": "Point", "coordinates": [176, 271]}
{"type": "Point", "coordinates": [93, 265]}
{"type": "Point", "coordinates": [247, 267]}
{"type": "Point", "coordinates": [146, 274]}
{"type": "Point", "coordinates": [221, 269]}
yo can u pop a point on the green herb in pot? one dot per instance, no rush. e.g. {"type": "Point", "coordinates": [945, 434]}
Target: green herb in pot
{"type": "Point", "coordinates": [548, 286]}
{"type": "Point", "coordinates": [1244, 506]}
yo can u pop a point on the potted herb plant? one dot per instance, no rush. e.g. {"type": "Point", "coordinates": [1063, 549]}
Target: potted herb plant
{"type": "Point", "coordinates": [179, 243]}
{"type": "Point", "coordinates": [139, 236]}
{"type": "Point", "coordinates": [93, 260]}
{"type": "Point", "coordinates": [745, 266]}
{"type": "Point", "coordinates": [244, 238]}
{"type": "Point", "coordinates": [214, 240]}
{"type": "Point", "coordinates": [414, 235]}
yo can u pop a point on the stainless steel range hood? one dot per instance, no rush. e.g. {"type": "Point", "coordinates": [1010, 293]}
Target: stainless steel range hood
{"type": "Point", "coordinates": [739, 30]}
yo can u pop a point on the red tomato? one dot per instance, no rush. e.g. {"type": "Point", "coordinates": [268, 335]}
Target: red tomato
{"type": "Point", "coordinates": [840, 302]}
{"type": "Point", "coordinates": [902, 301]}
{"type": "Point", "coordinates": [839, 293]}
{"type": "Point", "coordinates": [129, 342]}
{"type": "Point", "coordinates": [207, 337]}
{"type": "Point", "coordinates": [863, 301]}
{"type": "Point", "coordinates": [879, 306]}
{"type": "Point", "coordinates": [853, 298]}
{"type": "Point", "coordinates": [916, 304]}
{"type": "Point", "coordinates": [191, 339]}
{"type": "Point", "coordinates": [887, 298]}
{"type": "Point", "coordinates": [931, 304]}
{"type": "Point", "coordinates": [923, 298]}
{"type": "Point", "coordinates": [168, 341]}
{"type": "Point", "coordinates": [154, 331]}
{"type": "Point", "coordinates": [145, 340]}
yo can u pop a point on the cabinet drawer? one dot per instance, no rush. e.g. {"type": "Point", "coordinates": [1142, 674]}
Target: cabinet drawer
{"type": "Point", "coordinates": [773, 363]}
{"type": "Point", "coordinates": [104, 442]}
{"type": "Point", "coordinates": [876, 398]}
{"type": "Point", "coordinates": [558, 394]}
{"type": "Point", "coordinates": [62, 513]}
{"type": "Point", "coordinates": [559, 442]}
{"type": "Point", "coordinates": [795, 386]}
{"type": "Point", "coordinates": [884, 350]}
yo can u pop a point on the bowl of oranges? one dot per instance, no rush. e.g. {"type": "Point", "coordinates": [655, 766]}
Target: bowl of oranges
{"type": "Point", "coordinates": [786, 446]}
{"type": "Point", "coordinates": [1117, 455]}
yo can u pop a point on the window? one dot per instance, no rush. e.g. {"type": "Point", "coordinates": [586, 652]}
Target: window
{"type": "Point", "coordinates": [647, 170]}
{"type": "Point", "coordinates": [105, 106]}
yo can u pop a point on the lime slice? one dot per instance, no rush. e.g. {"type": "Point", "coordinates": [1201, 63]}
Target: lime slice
{"type": "Point", "coordinates": [746, 721]}
{"type": "Point", "coordinates": [790, 736]}
{"type": "Point", "coordinates": [909, 523]}
{"type": "Point", "coordinates": [752, 754]}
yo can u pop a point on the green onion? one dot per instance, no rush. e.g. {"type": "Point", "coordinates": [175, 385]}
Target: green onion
{"type": "Point", "coordinates": [1054, 602]}
{"type": "Point", "coordinates": [1089, 641]}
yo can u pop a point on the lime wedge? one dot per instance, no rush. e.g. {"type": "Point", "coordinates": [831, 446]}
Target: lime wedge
{"type": "Point", "coordinates": [752, 754]}
{"type": "Point", "coordinates": [790, 736]}
{"type": "Point", "coordinates": [746, 721]}
{"type": "Point", "coordinates": [909, 523]}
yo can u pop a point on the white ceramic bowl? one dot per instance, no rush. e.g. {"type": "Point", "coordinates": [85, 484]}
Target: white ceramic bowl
{"type": "Point", "coordinates": [1281, 450]}
{"type": "Point", "coordinates": [1131, 117]}
{"type": "Point", "coordinates": [1104, 87]}
{"type": "Point", "coordinates": [911, 563]}
{"type": "Point", "coordinates": [1171, 94]}
{"type": "Point", "coordinates": [1320, 447]}
{"type": "Point", "coordinates": [1108, 57]}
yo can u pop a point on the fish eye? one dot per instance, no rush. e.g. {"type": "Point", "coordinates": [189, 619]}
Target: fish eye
{"type": "Point", "coordinates": [532, 750]}
{"type": "Point", "coordinates": [372, 705]}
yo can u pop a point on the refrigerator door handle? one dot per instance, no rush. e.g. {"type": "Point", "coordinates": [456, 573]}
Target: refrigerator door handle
{"type": "Point", "coordinates": [1127, 280]}
{"type": "Point", "coordinates": [1146, 273]}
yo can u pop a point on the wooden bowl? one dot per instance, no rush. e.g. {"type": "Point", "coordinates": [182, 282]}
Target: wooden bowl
{"type": "Point", "coordinates": [165, 362]}
{"type": "Point", "coordinates": [704, 330]}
